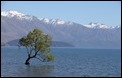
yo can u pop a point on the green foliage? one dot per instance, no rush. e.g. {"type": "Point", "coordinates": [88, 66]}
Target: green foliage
{"type": "Point", "coordinates": [50, 57]}
{"type": "Point", "coordinates": [36, 41]}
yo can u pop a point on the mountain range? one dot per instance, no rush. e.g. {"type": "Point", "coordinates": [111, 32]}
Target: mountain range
{"type": "Point", "coordinates": [15, 25]}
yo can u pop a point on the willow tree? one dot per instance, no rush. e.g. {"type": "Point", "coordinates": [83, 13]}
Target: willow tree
{"type": "Point", "coordinates": [38, 46]}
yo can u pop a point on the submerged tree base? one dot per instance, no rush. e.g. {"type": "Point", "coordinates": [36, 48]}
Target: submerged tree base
{"type": "Point", "coordinates": [27, 63]}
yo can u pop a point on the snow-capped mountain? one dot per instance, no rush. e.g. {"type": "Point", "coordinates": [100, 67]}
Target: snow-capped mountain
{"type": "Point", "coordinates": [11, 13]}
{"type": "Point", "coordinates": [118, 26]}
{"type": "Point", "coordinates": [98, 26]}
{"type": "Point", "coordinates": [18, 15]}
{"type": "Point", "coordinates": [55, 21]}
{"type": "Point", "coordinates": [14, 25]}
{"type": "Point", "coordinates": [21, 16]}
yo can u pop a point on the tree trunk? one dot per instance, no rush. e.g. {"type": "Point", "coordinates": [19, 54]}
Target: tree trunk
{"type": "Point", "coordinates": [27, 61]}
{"type": "Point", "coordinates": [29, 57]}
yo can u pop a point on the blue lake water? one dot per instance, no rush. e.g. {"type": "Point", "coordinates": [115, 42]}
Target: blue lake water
{"type": "Point", "coordinates": [69, 62]}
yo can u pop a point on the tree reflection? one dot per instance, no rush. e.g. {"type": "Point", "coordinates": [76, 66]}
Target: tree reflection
{"type": "Point", "coordinates": [37, 71]}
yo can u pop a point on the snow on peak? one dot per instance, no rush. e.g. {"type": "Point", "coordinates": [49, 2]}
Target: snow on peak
{"type": "Point", "coordinates": [46, 20]}
{"type": "Point", "coordinates": [11, 13]}
{"type": "Point", "coordinates": [98, 26]}
{"type": "Point", "coordinates": [55, 21]}
{"type": "Point", "coordinates": [59, 21]}
{"type": "Point", "coordinates": [118, 26]}
{"type": "Point", "coordinates": [17, 14]}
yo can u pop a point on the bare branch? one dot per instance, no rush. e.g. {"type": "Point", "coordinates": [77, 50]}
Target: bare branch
{"type": "Point", "coordinates": [38, 58]}
{"type": "Point", "coordinates": [28, 51]}
{"type": "Point", "coordinates": [31, 49]}
{"type": "Point", "coordinates": [39, 55]}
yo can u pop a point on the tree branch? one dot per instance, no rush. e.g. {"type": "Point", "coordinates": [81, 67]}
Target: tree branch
{"type": "Point", "coordinates": [31, 50]}
{"type": "Point", "coordinates": [28, 52]}
{"type": "Point", "coordinates": [38, 58]}
{"type": "Point", "coordinates": [39, 55]}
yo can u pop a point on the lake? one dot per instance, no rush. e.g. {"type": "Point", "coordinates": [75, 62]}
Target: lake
{"type": "Point", "coordinates": [69, 62]}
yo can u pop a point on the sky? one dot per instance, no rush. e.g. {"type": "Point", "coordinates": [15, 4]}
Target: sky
{"type": "Point", "coordinates": [82, 12]}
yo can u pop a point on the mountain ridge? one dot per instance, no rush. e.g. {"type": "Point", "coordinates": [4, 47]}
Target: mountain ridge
{"type": "Point", "coordinates": [76, 34]}
{"type": "Point", "coordinates": [12, 13]}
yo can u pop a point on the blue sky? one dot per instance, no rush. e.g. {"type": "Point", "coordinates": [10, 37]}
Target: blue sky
{"type": "Point", "coordinates": [83, 12]}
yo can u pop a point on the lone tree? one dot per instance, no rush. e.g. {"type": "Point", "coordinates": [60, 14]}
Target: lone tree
{"type": "Point", "coordinates": [38, 46]}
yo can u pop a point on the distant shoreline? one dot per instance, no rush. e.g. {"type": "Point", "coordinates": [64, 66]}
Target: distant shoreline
{"type": "Point", "coordinates": [68, 47]}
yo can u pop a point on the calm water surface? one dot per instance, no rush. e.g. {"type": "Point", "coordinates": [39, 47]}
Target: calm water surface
{"type": "Point", "coordinates": [69, 62]}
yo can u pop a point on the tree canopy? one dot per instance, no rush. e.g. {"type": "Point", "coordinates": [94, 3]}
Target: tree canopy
{"type": "Point", "coordinates": [38, 46]}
